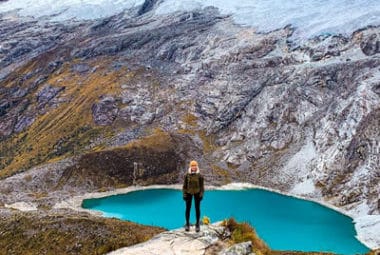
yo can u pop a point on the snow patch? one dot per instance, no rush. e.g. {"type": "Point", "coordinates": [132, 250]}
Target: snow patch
{"type": "Point", "coordinates": [361, 209]}
{"type": "Point", "coordinates": [298, 167]}
{"type": "Point", "coordinates": [22, 206]}
{"type": "Point", "coordinates": [301, 160]}
{"type": "Point", "coordinates": [303, 188]}
{"type": "Point", "coordinates": [236, 186]}
{"type": "Point", "coordinates": [368, 229]}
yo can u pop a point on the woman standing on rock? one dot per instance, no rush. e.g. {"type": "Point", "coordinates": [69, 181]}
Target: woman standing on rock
{"type": "Point", "coordinates": [193, 186]}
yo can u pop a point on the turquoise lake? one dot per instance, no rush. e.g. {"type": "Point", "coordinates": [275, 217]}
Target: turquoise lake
{"type": "Point", "coordinates": [283, 222]}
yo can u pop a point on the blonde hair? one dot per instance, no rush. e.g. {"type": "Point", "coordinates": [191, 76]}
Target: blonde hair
{"type": "Point", "coordinates": [193, 163]}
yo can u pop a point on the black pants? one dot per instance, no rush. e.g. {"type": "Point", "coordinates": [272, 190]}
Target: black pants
{"type": "Point", "coordinates": [197, 202]}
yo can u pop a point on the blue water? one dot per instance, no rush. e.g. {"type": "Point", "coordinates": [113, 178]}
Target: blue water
{"type": "Point", "coordinates": [283, 222]}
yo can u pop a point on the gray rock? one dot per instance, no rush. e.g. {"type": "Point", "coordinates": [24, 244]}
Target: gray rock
{"type": "Point", "coordinates": [7, 125]}
{"type": "Point", "coordinates": [324, 47]}
{"type": "Point", "coordinates": [147, 6]}
{"type": "Point", "coordinates": [376, 88]}
{"type": "Point", "coordinates": [371, 45]}
{"type": "Point", "coordinates": [46, 94]}
{"type": "Point", "coordinates": [244, 248]}
{"type": "Point", "coordinates": [81, 68]}
{"type": "Point", "coordinates": [137, 113]}
{"type": "Point", "coordinates": [126, 136]}
{"type": "Point", "coordinates": [23, 122]}
{"type": "Point", "coordinates": [176, 242]}
{"type": "Point", "coordinates": [24, 39]}
{"type": "Point", "coordinates": [53, 66]}
{"type": "Point", "coordinates": [4, 106]}
{"type": "Point", "coordinates": [18, 92]}
{"type": "Point", "coordinates": [105, 112]}
{"type": "Point", "coordinates": [38, 81]}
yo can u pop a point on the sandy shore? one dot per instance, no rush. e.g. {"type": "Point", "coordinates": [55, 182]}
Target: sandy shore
{"type": "Point", "coordinates": [367, 226]}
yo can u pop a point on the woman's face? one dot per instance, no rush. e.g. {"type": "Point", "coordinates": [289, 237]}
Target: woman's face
{"type": "Point", "coordinates": [193, 168]}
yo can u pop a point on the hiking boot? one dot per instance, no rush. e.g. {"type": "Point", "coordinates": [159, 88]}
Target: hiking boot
{"type": "Point", "coordinates": [187, 227]}
{"type": "Point", "coordinates": [197, 228]}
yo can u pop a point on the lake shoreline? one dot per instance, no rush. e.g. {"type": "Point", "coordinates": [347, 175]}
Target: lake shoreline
{"type": "Point", "coordinates": [361, 221]}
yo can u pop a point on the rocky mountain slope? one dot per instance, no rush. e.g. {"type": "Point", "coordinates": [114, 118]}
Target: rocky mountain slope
{"type": "Point", "coordinates": [263, 110]}
{"type": "Point", "coordinates": [299, 116]}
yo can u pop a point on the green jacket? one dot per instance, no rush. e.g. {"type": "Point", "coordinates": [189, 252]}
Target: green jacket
{"type": "Point", "coordinates": [193, 184]}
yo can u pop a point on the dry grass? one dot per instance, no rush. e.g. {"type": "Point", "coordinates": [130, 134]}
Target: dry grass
{"type": "Point", "coordinates": [243, 232]}
{"type": "Point", "coordinates": [190, 119]}
{"type": "Point", "coordinates": [208, 142]}
{"type": "Point", "coordinates": [159, 140]}
{"type": "Point", "coordinates": [223, 173]}
{"type": "Point", "coordinates": [28, 178]}
{"type": "Point", "coordinates": [157, 158]}
{"type": "Point", "coordinates": [38, 195]}
{"type": "Point", "coordinates": [67, 234]}
{"type": "Point", "coordinates": [375, 252]}
{"type": "Point", "coordinates": [71, 122]}
{"type": "Point", "coordinates": [217, 170]}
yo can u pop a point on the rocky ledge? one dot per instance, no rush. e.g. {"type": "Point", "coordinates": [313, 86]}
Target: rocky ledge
{"type": "Point", "coordinates": [212, 239]}
{"type": "Point", "coordinates": [176, 242]}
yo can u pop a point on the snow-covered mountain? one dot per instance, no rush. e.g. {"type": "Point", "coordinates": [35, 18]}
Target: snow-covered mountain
{"type": "Point", "coordinates": [65, 10]}
{"type": "Point", "coordinates": [310, 17]}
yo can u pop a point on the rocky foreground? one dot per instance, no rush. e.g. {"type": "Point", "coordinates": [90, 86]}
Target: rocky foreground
{"type": "Point", "coordinates": [90, 106]}
{"type": "Point", "coordinates": [208, 241]}
{"type": "Point", "coordinates": [213, 239]}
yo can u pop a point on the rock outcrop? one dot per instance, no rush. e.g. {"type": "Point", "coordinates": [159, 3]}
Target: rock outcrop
{"type": "Point", "coordinates": [175, 242]}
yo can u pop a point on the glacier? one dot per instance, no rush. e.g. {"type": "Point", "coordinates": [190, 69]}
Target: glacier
{"type": "Point", "coordinates": [309, 17]}
{"type": "Point", "coordinates": [67, 9]}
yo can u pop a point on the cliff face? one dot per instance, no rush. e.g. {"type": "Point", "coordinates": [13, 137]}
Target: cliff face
{"type": "Point", "coordinates": [301, 117]}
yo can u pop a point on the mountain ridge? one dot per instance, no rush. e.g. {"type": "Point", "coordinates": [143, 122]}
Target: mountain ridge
{"type": "Point", "coordinates": [124, 81]}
